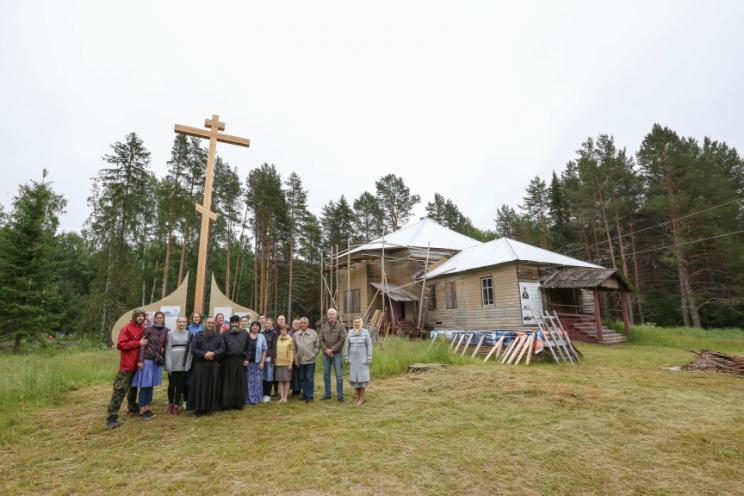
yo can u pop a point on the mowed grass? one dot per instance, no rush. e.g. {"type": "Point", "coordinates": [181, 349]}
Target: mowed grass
{"type": "Point", "coordinates": [619, 423]}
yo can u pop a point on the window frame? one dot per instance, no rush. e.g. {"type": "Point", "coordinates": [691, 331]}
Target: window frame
{"type": "Point", "coordinates": [450, 290]}
{"type": "Point", "coordinates": [485, 289]}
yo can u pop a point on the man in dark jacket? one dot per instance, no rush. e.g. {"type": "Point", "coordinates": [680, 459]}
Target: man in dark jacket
{"type": "Point", "coordinates": [129, 342]}
{"type": "Point", "coordinates": [332, 336]}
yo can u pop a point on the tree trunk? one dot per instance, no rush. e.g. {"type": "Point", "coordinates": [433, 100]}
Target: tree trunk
{"type": "Point", "coordinates": [603, 213]}
{"type": "Point", "coordinates": [182, 260]}
{"type": "Point", "coordinates": [689, 310]}
{"type": "Point", "coordinates": [227, 262]}
{"type": "Point", "coordinates": [636, 275]}
{"type": "Point", "coordinates": [166, 262]}
{"type": "Point", "coordinates": [106, 289]}
{"type": "Point", "coordinates": [291, 263]}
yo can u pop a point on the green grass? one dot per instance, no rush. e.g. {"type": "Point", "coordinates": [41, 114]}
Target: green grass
{"type": "Point", "coordinates": [724, 340]}
{"type": "Point", "coordinates": [29, 381]}
{"type": "Point", "coordinates": [618, 423]}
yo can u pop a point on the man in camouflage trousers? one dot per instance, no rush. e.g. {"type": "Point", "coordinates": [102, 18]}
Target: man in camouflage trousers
{"type": "Point", "coordinates": [129, 342]}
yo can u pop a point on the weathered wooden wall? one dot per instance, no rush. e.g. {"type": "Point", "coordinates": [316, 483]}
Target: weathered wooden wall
{"type": "Point", "coordinates": [470, 313]}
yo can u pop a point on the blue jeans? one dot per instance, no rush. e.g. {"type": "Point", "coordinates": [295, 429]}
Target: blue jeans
{"type": "Point", "coordinates": [338, 365]}
{"type": "Point", "coordinates": [145, 396]}
{"type": "Point", "coordinates": [307, 380]}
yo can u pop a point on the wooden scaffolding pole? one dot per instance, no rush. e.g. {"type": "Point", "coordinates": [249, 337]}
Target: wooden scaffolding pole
{"type": "Point", "coordinates": [423, 287]}
{"type": "Point", "coordinates": [382, 279]}
{"type": "Point", "coordinates": [322, 293]}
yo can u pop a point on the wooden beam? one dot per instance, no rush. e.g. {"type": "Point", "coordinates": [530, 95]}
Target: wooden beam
{"type": "Point", "coordinates": [598, 317]}
{"type": "Point", "coordinates": [221, 137]}
{"type": "Point", "coordinates": [495, 347]}
{"type": "Point", "coordinates": [626, 318]}
{"type": "Point", "coordinates": [470, 338]}
{"type": "Point", "coordinates": [200, 208]}
{"type": "Point", "coordinates": [480, 342]}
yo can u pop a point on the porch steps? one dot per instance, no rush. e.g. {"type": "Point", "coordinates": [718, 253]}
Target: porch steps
{"type": "Point", "coordinates": [588, 331]}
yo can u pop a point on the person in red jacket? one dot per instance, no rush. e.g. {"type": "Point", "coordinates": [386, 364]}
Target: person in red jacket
{"type": "Point", "coordinates": [129, 342]}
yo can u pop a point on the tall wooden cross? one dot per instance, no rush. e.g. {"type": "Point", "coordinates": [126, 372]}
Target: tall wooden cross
{"type": "Point", "coordinates": [205, 209]}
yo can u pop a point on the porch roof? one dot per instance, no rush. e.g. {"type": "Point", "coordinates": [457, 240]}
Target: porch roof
{"type": "Point", "coordinates": [395, 292]}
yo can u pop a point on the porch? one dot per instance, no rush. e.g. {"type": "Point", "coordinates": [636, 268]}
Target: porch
{"type": "Point", "coordinates": [581, 297]}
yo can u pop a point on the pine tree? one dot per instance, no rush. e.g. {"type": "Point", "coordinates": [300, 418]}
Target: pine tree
{"type": "Point", "coordinates": [536, 206]}
{"type": "Point", "coordinates": [297, 213]}
{"type": "Point", "coordinates": [266, 201]}
{"type": "Point", "coordinates": [29, 261]}
{"type": "Point", "coordinates": [121, 203]}
{"type": "Point", "coordinates": [396, 200]}
{"type": "Point", "coordinates": [368, 217]}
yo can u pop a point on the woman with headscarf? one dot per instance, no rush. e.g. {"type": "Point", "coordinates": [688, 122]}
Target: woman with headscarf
{"type": "Point", "coordinates": [177, 363]}
{"type": "Point", "coordinates": [358, 355]}
{"type": "Point", "coordinates": [206, 349]}
{"type": "Point", "coordinates": [256, 359]}
{"type": "Point", "coordinates": [196, 326]}
{"type": "Point", "coordinates": [150, 364]}
{"type": "Point", "coordinates": [232, 371]}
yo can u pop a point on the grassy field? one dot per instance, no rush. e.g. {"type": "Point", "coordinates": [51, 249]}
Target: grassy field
{"type": "Point", "coordinates": [619, 423]}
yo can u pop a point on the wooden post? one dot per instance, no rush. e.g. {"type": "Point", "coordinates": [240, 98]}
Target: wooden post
{"type": "Point", "coordinates": [322, 293]}
{"type": "Point", "coordinates": [626, 308]}
{"type": "Point", "coordinates": [382, 276]}
{"type": "Point", "coordinates": [348, 279]}
{"type": "Point", "coordinates": [338, 288]}
{"type": "Point", "coordinates": [205, 208]}
{"type": "Point", "coordinates": [423, 287]}
{"type": "Point", "coordinates": [598, 316]}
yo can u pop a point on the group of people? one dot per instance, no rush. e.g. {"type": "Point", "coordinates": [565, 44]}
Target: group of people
{"type": "Point", "coordinates": [214, 365]}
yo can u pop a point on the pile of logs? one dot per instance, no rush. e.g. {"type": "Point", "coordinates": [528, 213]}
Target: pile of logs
{"type": "Point", "coordinates": [713, 361]}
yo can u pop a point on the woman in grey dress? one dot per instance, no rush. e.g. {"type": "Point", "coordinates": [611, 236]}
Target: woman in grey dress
{"type": "Point", "coordinates": [358, 356]}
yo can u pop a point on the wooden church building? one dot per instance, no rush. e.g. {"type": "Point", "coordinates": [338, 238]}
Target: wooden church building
{"type": "Point", "coordinates": [426, 276]}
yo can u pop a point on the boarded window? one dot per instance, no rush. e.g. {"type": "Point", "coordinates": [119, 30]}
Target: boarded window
{"type": "Point", "coordinates": [432, 301]}
{"type": "Point", "coordinates": [487, 291]}
{"type": "Point", "coordinates": [352, 301]}
{"type": "Point", "coordinates": [451, 294]}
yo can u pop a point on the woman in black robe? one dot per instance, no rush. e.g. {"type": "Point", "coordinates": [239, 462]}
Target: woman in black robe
{"type": "Point", "coordinates": [234, 362]}
{"type": "Point", "coordinates": [207, 347]}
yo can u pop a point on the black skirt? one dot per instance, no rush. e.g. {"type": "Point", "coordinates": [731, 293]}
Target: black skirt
{"type": "Point", "coordinates": [203, 389]}
{"type": "Point", "coordinates": [233, 382]}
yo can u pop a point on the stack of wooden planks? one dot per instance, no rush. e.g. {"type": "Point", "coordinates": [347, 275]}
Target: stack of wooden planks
{"type": "Point", "coordinates": [714, 361]}
{"type": "Point", "coordinates": [376, 319]}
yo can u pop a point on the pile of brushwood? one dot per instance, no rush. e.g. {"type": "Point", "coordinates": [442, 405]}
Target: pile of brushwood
{"type": "Point", "coordinates": [713, 361]}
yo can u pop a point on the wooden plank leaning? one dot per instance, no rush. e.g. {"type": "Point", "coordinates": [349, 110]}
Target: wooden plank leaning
{"type": "Point", "coordinates": [509, 349]}
{"type": "Point", "coordinates": [464, 348]}
{"type": "Point", "coordinates": [532, 347]}
{"type": "Point", "coordinates": [519, 346]}
{"type": "Point", "coordinates": [557, 333]}
{"type": "Point", "coordinates": [553, 338]}
{"type": "Point", "coordinates": [528, 344]}
{"type": "Point", "coordinates": [480, 342]}
{"type": "Point", "coordinates": [577, 352]}
{"type": "Point", "coordinates": [459, 342]}
{"type": "Point", "coordinates": [454, 338]}
{"type": "Point", "coordinates": [548, 342]}
{"type": "Point", "coordinates": [496, 347]}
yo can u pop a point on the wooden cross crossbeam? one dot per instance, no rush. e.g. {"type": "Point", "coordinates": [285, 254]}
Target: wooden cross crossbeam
{"type": "Point", "coordinates": [214, 135]}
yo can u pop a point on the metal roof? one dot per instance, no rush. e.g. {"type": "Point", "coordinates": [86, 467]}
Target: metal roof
{"type": "Point", "coordinates": [503, 250]}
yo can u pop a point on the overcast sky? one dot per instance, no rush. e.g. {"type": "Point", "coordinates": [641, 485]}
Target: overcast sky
{"type": "Point", "coordinates": [468, 99]}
